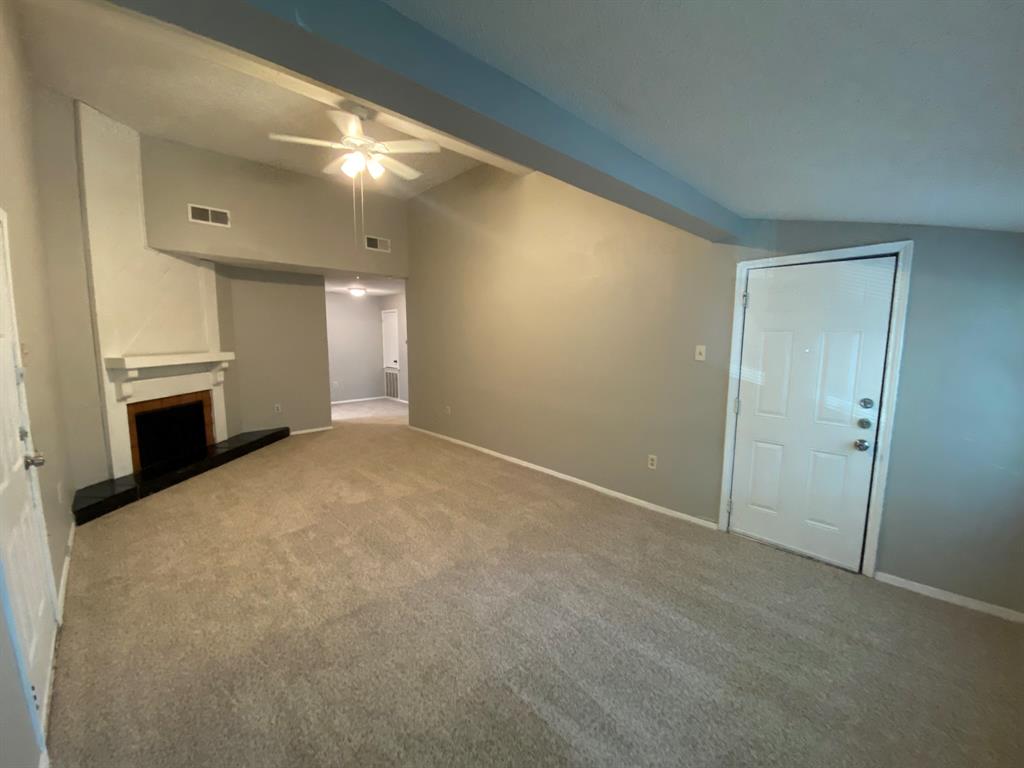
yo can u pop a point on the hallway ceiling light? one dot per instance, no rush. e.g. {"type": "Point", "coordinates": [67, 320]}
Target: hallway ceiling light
{"type": "Point", "coordinates": [357, 291]}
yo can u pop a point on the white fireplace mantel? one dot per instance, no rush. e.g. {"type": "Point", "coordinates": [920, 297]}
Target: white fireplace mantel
{"type": "Point", "coordinates": [128, 369]}
{"type": "Point", "coordinates": [135, 362]}
{"type": "Point", "coordinates": [136, 378]}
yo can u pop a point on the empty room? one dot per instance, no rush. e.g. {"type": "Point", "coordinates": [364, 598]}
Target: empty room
{"type": "Point", "coordinates": [367, 343]}
{"type": "Point", "coordinates": [469, 383]}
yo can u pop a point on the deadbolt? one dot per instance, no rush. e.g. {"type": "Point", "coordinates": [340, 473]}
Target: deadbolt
{"type": "Point", "coordinates": [864, 423]}
{"type": "Point", "coordinates": [861, 445]}
{"type": "Point", "coordinates": [867, 402]}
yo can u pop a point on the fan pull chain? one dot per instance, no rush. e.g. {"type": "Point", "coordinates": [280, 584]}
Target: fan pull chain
{"type": "Point", "coordinates": [355, 234]}
{"type": "Point", "coordinates": [362, 209]}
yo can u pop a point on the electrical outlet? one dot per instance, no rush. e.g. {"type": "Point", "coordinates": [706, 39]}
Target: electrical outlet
{"type": "Point", "coordinates": [652, 461]}
{"type": "Point", "coordinates": [447, 410]}
{"type": "Point", "coordinates": [700, 353]}
{"type": "Point", "coordinates": [277, 408]}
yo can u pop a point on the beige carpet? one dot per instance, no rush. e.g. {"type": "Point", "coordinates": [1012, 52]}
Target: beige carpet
{"type": "Point", "coordinates": [376, 596]}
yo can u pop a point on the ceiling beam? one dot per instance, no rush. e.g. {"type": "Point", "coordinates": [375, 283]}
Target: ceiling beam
{"type": "Point", "coordinates": [367, 49]}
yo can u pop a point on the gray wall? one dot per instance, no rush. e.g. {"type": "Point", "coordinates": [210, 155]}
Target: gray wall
{"type": "Point", "coordinates": [354, 340]}
{"type": "Point", "coordinates": [276, 325]}
{"type": "Point", "coordinates": [560, 329]}
{"type": "Point", "coordinates": [397, 301]}
{"type": "Point", "coordinates": [954, 507]}
{"type": "Point", "coordinates": [64, 244]}
{"type": "Point", "coordinates": [18, 197]}
{"type": "Point", "coordinates": [277, 217]}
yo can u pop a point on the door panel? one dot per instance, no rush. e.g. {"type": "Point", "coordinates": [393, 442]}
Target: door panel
{"type": "Point", "coordinates": [766, 476]}
{"type": "Point", "coordinates": [840, 353]}
{"type": "Point", "coordinates": [773, 393]}
{"type": "Point", "coordinates": [24, 554]}
{"type": "Point", "coordinates": [814, 342]}
{"type": "Point", "coordinates": [389, 333]}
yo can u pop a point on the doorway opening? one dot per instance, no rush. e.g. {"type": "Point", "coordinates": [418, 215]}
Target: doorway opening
{"type": "Point", "coordinates": [367, 345]}
{"type": "Point", "coordinates": [814, 370]}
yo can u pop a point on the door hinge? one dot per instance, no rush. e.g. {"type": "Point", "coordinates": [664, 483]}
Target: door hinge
{"type": "Point", "coordinates": [746, 299]}
{"type": "Point", "coordinates": [728, 506]}
{"type": "Point", "coordinates": [22, 434]}
{"type": "Point", "coordinates": [736, 406]}
{"type": "Point", "coordinates": [19, 375]}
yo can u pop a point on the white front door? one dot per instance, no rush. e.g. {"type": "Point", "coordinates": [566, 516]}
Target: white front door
{"type": "Point", "coordinates": [813, 357]}
{"type": "Point", "coordinates": [389, 332]}
{"type": "Point", "coordinates": [27, 577]}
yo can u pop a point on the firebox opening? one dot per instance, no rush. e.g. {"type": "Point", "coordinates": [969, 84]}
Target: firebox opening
{"type": "Point", "coordinates": [170, 432]}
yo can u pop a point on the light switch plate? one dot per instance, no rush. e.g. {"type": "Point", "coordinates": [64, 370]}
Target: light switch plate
{"type": "Point", "coordinates": [700, 353]}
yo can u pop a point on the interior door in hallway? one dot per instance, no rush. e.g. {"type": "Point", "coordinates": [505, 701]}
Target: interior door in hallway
{"type": "Point", "coordinates": [813, 357]}
{"type": "Point", "coordinates": [389, 333]}
{"type": "Point", "coordinates": [26, 577]}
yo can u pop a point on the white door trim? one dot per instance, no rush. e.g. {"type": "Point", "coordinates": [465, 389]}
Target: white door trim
{"type": "Point", "coordinates": [904, 251]}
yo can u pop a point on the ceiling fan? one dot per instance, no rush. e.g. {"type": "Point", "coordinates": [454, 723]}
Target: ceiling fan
{"type": "Point", "coordinates": [362, 152]}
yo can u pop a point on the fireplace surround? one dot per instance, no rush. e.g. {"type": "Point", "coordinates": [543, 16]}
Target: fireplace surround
{"type": "Point", "coordinates": [170, 431]}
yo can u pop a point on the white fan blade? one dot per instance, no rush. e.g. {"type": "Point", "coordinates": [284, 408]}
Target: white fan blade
{"type": "Point", "coordinates": [399, 168]}
{"type": "Point", "coordinates": [409, 146]}
{"type": "Point", "coordinates": [334, 166]}
{"type": "Point", "coordinates": [346, 122]}
{"type": "Point", "coordinates": [305, 140]}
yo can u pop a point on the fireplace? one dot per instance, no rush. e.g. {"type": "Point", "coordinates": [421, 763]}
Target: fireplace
{"type": "Point", "coordinates": [170, 432]}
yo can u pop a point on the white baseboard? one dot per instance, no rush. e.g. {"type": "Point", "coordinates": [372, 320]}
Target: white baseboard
{"type": "Point", "coordinates": [359, 400]}
{"type": "Point", "coordinates": [308, 431]}
{"type": "Point", "coordinates": [44, 759]}
{"type": "Point", "coordinates": [913, 586]}
{"type": "Point", "coordinates": [62, 589]}
{"type": "Point", "coordinates": [952, 597]}
{"type": "Point", "coordinates": [397, 400]}
{"type": "Point", "coordinates": [585, 483]}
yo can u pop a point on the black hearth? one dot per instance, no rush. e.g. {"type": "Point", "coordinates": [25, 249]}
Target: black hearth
{"type": "Point", "coordinates": [172, 440]}
{"type": "Point", "coordinates": [101, 498]}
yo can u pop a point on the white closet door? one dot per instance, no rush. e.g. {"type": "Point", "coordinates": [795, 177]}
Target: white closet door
{"type": "Point", "coordinates": [389, 332]}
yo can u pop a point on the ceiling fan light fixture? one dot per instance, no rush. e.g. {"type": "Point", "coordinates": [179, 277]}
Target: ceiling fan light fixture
{"type": "Point", "coordinates": [352, 164]}
{"type": "Point", "coordinates": [374, 167]}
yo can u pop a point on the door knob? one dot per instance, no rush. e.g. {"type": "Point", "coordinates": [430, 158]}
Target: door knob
{"type": "Point", "coordinates": [864, 423]}
{"type": "Point", "coordinates": [861, 445]}
{"type": "Point", "coordinates": [35, 460]}
{"type": "Point", "coordinates": [867, 403]}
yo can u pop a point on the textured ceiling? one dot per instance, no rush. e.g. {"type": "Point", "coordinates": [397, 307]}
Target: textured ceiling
{"type": "Point", "coordinates": [138, 74]}
{"type": "Point", "coordinates": [907, 111]}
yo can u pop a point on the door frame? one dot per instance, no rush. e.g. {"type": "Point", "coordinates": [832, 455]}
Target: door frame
{"type": "Point", "coordinates": [904, 252]}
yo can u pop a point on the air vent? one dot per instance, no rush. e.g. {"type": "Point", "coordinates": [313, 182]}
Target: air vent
{"type": "Point", "coordinates": [378, 244]}
{"type": "Point", "coordinates": [215, 217]}
{"type": "Point", "coordinates": [391, 384]}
